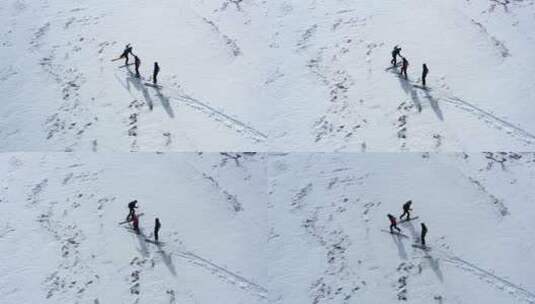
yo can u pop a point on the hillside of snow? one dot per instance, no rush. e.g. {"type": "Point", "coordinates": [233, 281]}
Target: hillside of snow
{"type": "Point", "coordinates": [61, 242]}
{"type": "Point", "coordinates": [242, 75]}
{"type": "Point", "coordinates": [266, 228]}
{"type": "Point", "coordinates": [328, 212]}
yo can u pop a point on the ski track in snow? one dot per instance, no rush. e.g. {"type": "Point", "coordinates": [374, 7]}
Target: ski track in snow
{"type": "Point", "coordinates": [218, 115]}
{"type": "Point", "coordinates": [491, 119]}
{"type": "Point", "coordinates": [499, 282]}
{"type": "Point", "coordinates": [224, 273]}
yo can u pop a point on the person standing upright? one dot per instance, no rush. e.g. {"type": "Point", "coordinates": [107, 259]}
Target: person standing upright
{"type": "Point", "coordinates": [155, 73]}
{"type": "Point", "coordinates": [137, 63]}
{"type": "Point", "coordinates": [425, 71]}
{"type": "Point", "coordinates": [424, 233]}
{"type": "Point", "coordinates": [157, 226]}
{"type": "Point", "coordinates": [404, 66]}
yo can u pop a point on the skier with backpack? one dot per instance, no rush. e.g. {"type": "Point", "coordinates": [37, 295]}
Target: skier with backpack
{"type": "Point", "coordinates": [132, 210]}
{"type": "Point", "coordinates": [155, 73]}
{"type": "Point", "coordinates": [393, 223]}
{"type": "Point", "coordinates": [406, 210]}
{"type": "Point", "coordinates": [137, 63]}
{"type": "Point", "coordinates": [425, 71]}
{"type": "Point", "coordinates": [404, 66]}
{"type": "Point", "coordinates": [127, 51]}
{"type": "Point", "coordinates": [157, 226]}
{"type": "Point", "coordinates": [395, 53]}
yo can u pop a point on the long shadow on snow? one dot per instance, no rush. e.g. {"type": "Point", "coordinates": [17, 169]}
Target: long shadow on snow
{"type": "Point", "coordinates": [409, 90]}
{"type": "Point", "coordinates": [167, 259]}
{"type": "Point", "coordinates": [433, 262]}
{"type": "Point", "coordinates": [141, 239]}
{"type": "Point", "coordinates": [401, 248]}
{"type": "Point", "coordinates": [165, 102]}
{"type": "Point", "coordinates": [136, 82]}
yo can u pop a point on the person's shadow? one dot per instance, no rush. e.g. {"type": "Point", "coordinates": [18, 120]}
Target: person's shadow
{"type": "Point", "coordinates": [401, 248]}
{"type": "Point", "coordinates": [434, 104]}
{"type": "Point", "coordinates": [164, 100]}
{"type": "Point", "coordinates": [141, 239]}
{"type": "Point", "coordinates": [138, 85]}
{"type": "Point", "coordinates": [167, 259]}
{"type": "Point", "coordinates": [435, 266]}
{"type": "Point", "coordinates": [409, 90]}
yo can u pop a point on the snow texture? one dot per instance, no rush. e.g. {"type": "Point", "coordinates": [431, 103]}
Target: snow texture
{"type": "Point", "coordinates": [267, 75]}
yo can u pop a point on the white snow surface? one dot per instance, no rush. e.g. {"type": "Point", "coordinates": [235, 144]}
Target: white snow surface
{"type": "Point", "coordinates": [266, 228]}
{"type": "Point", "coordinates": [61, 242]}
{"type": "Point", "coordinates": [328, 211]}
{"type": "Point", "coordinates": [288, 75]}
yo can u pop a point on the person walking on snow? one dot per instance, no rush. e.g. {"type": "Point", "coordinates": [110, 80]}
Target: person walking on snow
{"type": "Point", "coordinates": [424, 232]}
{"type": "Point", "coordinates": [155, 73]}
{"type": "Point", "coordinates": [132, 210]}
{"type": "Point", "coordinates": [157, 226]}
{"type": "Point", "coordinates": [393, 223]}
{"type": "Point", "coordinates": [404, 66]}
{"type": "Point", "coordinates": [406, 210]}
{"type": "Point", "coordinates": [127, 50]}
{"type": "Point", "coordinates": [135, 223]}
{"type": "Point", "coordinates": [395, 53]}
{"type": "Point", "coordinates": [137, 62]}
{"type": "Point", "coordinates": [425, 71]}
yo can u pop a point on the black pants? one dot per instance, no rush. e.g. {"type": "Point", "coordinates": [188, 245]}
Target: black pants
{"type": "Point", "coordinates": [130, 214]}
{"type": "Point", "coordinates": [394, 226]}
{"type": "Point", "coordinates": [137, 71]}
{"type": "Point", "coordinates": [423, 79]}
{"type": "Point", "coordinates": [405, 213]}
{"type": "Point", "coordinates": [404, 72]}
{"type": "Point", "coordinates": [154, 78]}
{"type": "Point", "coordinates": [156, 234]}
{"type": "Point", "coordinates": [423, 239]}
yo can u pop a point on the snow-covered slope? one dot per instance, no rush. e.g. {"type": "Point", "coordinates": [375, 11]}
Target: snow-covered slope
{"type": "Point", "coordinates": [266, 228]}
{"type": "Point", "coordinates": [337, 91]}
{"type": "Point", "coordinates": [328, 211]}
{"type": "Point", "coordinates": [60, 241]}
{"type": "Point", "coordinates": [286, 75]}
{"type": "Point", "coordinates": [60, 91]}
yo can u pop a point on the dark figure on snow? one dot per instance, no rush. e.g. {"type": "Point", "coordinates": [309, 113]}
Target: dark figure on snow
{"type": "Point", "coordinates": [406, 210]}
{"type": "Point", "coordinates": [424, 232]}
{"type": "Point", "coordinates": [132, 210]}
{"type": "Point", "coordinates": [155, 73]}
{"type": "Point", "coordinates": [404, 66]}
{"type": "Point", "coordinates": [157, 226]}
{"type": "Point", "coordinates": [425, 71]}
{"type": "Point", "coordinates": [126, 52]}
{"type": "Point", "coordinates": [137, 62]}
{"type": "Point", "coordinates": [135, 223]}
{"type": "Point", "coordinates": [393, 223]}
{"type": "Point", "coordinates": [395, 53]}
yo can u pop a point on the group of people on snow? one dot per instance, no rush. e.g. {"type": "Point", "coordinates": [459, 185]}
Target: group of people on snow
{"type": "Point", "coordinates": [405, 64]}
{"type": "Point", "coordinates": [407, 214]}
{"type": "Point", "coordinates": [134, 219]}
{"type": "Point", "coordinates": [137, 62]}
